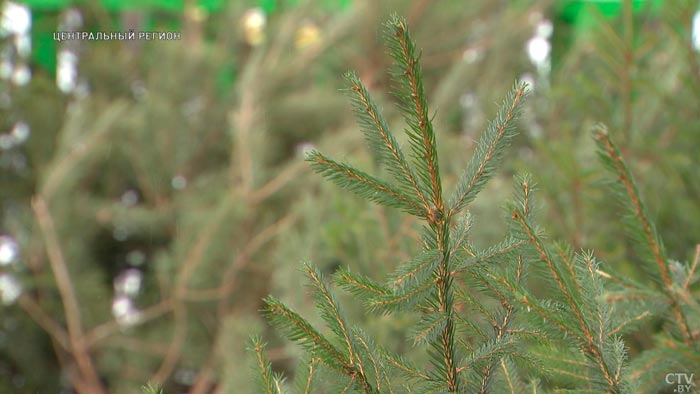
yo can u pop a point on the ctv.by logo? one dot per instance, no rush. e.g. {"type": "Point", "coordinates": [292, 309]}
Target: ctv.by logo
{"type": "Point", "coordinates": [682, 381]}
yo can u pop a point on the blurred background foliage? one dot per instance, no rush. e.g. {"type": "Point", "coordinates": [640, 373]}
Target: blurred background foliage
{"type": "Point", "coordinates": [152, 192]}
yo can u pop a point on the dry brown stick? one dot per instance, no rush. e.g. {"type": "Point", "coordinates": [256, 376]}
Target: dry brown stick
{"type": "Point", "coordinates": [203, 380]}
{"type": "Point", "coordinates": [169, 362]}
{"type": "Point", "coordinates": [143, 181]}
{"type": "Point", "coordinates": [194, 256]}
{"type": "Point", "coordinates": [228, 281]}
{"type": "Point", "coordinates": [107, 329]}
{"type": "Point", "coordinates": [192, 260]}
{"type": "Point", "coordinates": [144, 346]}
{"type": "Point", "coordinates": [205, 377]}
{"type": "Point", "coordinates": [416, 11]}
{"type": "Point", "coordinates": [45, 321]}
{"type": "Point", "coordinates": [243, 122]}
{"type": "Point", "coordinates": [255, 243]}
{"type": "Point", "coordinates": [276, 183]}
{"type": "Point", "coordinates": [79, 348]}
{"type": "Point", "coordinates": [35, 263]}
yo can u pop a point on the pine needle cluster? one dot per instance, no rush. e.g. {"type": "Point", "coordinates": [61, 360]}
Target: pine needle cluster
{"type": "Point", "coordinates": [482, 324]}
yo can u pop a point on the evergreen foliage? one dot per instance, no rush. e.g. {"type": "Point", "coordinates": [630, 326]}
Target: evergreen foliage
{"type": "Point", "coordinates": [667, 291]}
{"type": "Point", "coordinates": [151, 389]}
{"type": "Point", "coordinates": [96, 190]}
{"type": "Point", "coordinates": [477, 313]}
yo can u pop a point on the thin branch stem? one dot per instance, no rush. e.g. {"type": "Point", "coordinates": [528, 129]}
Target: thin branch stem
{"type": "Point", "coordinates": [37, 313]}
{"type": "Point", "coordinates": [169, 362]}
{"type": "Point", "coordinates": [654, 244]}
{"type": "Point", "coordinates": [79, 349]}
{"type": "Point", "coordinates": [276, 183]}
{"type": "Point", "coordinates": [105, 330]}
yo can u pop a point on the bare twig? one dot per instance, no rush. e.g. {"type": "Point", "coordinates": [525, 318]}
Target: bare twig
{"type": "Point", "coordinates": [169, 362]}
{"type": "Point", "coordinates": [45, 321]}
{"type": "Point", "coordinates": [276, 183]}
{"type": "Point", "coordinates": [242, 121]}
{"type": "Point", "coordinates": [88, 375]}
{"type": "Point", "coordinates": [228, 281]}
{"type": "Point", "coordinates": [205, 376]}
{"type": "Point", "coordinates": [109, 328]}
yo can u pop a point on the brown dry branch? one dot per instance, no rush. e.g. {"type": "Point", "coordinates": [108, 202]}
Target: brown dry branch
{"type": "Point", "coordinates": [88, 377]}
{"type": "Point", "coordinates": [105, 330]}
{"type": "Point", "coordinates": [37, 313]}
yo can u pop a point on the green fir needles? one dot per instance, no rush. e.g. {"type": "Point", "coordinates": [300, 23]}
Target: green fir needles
{"type": "Point", "coordinates": [478, 323]}
{"type": "Point", "coordinates": [427, 281]}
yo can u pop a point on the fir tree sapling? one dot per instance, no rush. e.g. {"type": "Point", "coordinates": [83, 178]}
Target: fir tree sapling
{"type": "Point", "coordinates": [483, 328]}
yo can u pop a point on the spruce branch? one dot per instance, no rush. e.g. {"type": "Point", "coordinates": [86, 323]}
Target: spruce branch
{"type": "Point", "coordinates": [348, 361]}
{"type": "Point", "coordinates": [299, 330]}
{"type": "Point", "coordinates": [502, 339]}
{"type": "Point", "coordinates": [429, 327]}
{"type": "Point", "coordinates": [565, 286]}
{"type": "Point", "coordinates": [427, 282]}
{"type": "Point", "coordinates": [415, 270]}
{"type": "Point", "coordinates": [331, 314]}
{"type": "Point", "coordinates": [513, 382]}
{"type": "Point", "coordinates": [304, 378]}
{"type": "Point", "coordinates": [612, 158]}
{"type": "Point", "coordinates": [371, 352]}
{"type": "Point", "coordinates": [406, 367]}
{"type": "Point", "coordinates": [364, 184]}
{"type": "Point", "coordinates": [582, 314]}
{"type": "Point", "coordinates": [629, 323]}
{"type": "Point", "coordinates": [412, 101]}
{"type": "Point", "coordinates": [446, 345]}
{"type": "Point", "coordinates": [358, 285]}
{"type": "Point", "coordinates": [502, 249]}
{"type": "Point", "coordinates": [478, 307]}
{"type": "Point", "coordinates": [650, 242]}
{"type": "Point", "coordinates": [151, 389]}
{"type": "Point", "coordinates": [690, 275]}
{"type": "Point", "coordinates": [381, 141]}
{"type": "Point", "coordinates": [489, 151]}
{"type": "Point", "coordinates": [590, 332]}
{"type": "Point", "coordinates": [270, 382]}
{"type": "Point", "coordinates": [329, 311]}
{"type": "Point", "coordinates": [460, 236]}
{"type": "Point", "coordinates": [404, 299]}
